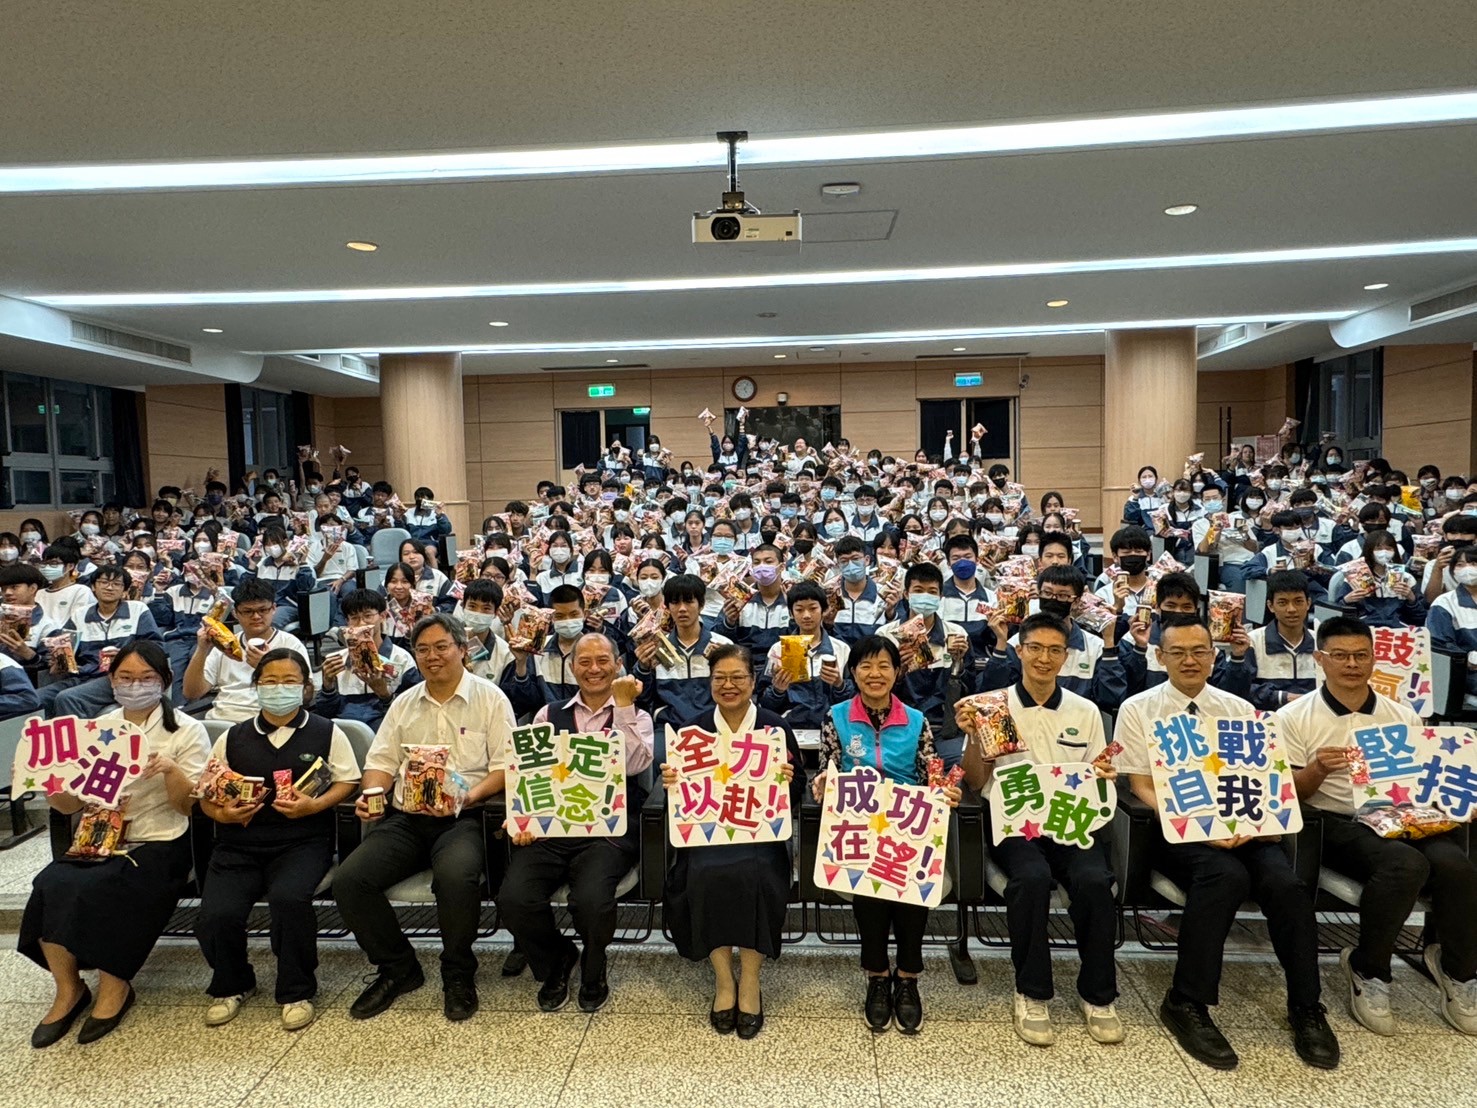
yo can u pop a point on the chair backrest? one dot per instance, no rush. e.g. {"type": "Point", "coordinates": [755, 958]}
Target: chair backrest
{"type": "Point", "coordinates": [215, 728]}
{"type": "Point", "coordinates": [361, 556]}
{"type": "Point", "coordinates": [384, 545]}
{"type": "Point", "coordinates": [1256, 600]}
{"type": "Point", "coordinates": [359, 735]}
{"type": "Point", "coordinates": [11, 732]}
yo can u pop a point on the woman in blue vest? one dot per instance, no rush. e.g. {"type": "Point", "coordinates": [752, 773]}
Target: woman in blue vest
{"type": "Point", "coordinates": [276, 847]}
{"type": "Point", "coordinates": [722, 897]}
{"type": "Point", "coordinates": [875, 728]}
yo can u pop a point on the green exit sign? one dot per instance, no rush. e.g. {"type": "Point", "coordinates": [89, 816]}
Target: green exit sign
{"type": "Point", "coordinates": [601, 391]}
{"type": "Point", "coordinates": [968, 380]}
{"type": "Point", "coordinates": [641, 411]}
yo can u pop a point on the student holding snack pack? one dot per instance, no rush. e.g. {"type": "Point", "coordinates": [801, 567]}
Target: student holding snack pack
{"type": "Point", "coordinates": [63, 596]}
{"type": "Point", "coordinates": [1178, 596]}
{"type": "Point", "coordinates": [857, 605]}
{"type": "Point", "coordinates": [543, 668]}
{"type": "Point", "coordinates": [488, 653]}
{"type": "Point", "coordinates": [935, 655]}
{"type": "Point", "coordinates": [277, 846]}
{"type": "Point", "coordinates": [224, 663]}
{"type": "Point", "coordinates": [677, 679]}
{"type": "Point", "coordinates": [1131, 548]}
{"type": "Point", "coordinates": [97, 632]}
{"type": "Point", "coordinates": [284, 565]}
{"type": "Point", "coordinates": [1380, 592]}
{"type": "Point", "coordinates": [1225, 534]}
{"type": "Point", "coordinates": [73, 919]}
{"type": "Point", "coordinates": [383, 510]}
{"type": "Point", "coordinates": [426, 521]}
{"type": "Point", "coordinates": [24, 624]}
{"type": "Point", "coordinates": [1294, 549]}
{"type": "Point", "coordinates": [470, 722]}
{"type": "Point", "coordinates": [757, 619]}
{"type": "Point", "coordinates": [360, 680]}
{"type": "Point", "coordinates": [804, 673]}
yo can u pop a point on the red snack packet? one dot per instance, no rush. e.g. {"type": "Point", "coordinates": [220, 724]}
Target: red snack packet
{"type": "Point", "coordinates": [282, 778]}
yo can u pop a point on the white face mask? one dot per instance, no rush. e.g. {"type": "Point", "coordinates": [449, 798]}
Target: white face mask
{"type": "Point", "coordinates": [1451, 494]}
{"type": "Point", "coordinates": [600, 580]}
{"type": "Point", "coordinates": [1275, 484]}
{"type": "Point", "coordinates": [742, 514]}
{"type": "Point", "coordinates": [559, 555]}
{"type": "Point", "coordinates": [1181, 497]}
{"type": "Point", "coordinates": [995, 517]}
{"type": "Point", "coordinates": [477, 621]}
{"type": "Point", "coordinates": [649, 587]}
{"type": "Point", "coordinates": [89, 529]}
{"type": "Point", "coordinates": [274, 551]}
{"type": "Point", "coordinates": [31, 536]}
{"type": "Point", "coordinates": [1292, 535]}
{"type": "Point", "coordinates": [1254, 504]}
{"type": "Point", "coordinates": [9, 554]}
{"type": "Point", "coordinates": [1384, 557]}
{"type": "Point", "coordinates": [1031, 549]}
{"type": "Point", "coordinates": [1465, 575]}
{"type": "Point", "coordinates": [203, 547]}
{"type": "Point", "coordinates": [621, 515]}
{"type": "Point", "coordinates": [1198, 486]}
{"type": "Point", "coordinates": [938, 515]}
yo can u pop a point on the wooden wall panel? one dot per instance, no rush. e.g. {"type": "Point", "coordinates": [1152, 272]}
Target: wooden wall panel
{"type": "Point", "coordinates": [184, 434]}
{"type": "Point", "coordinates": [1076, 426]}
{"type": "Point", "coordinates": [883, 389]}
{"type": "Point", "coordinates": [514, 399]}
{"type": "Point", "coordinates": [1430, 407]}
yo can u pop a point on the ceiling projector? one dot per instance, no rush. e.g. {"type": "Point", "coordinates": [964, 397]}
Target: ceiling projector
{"type": "Point", "coordinates": [736, 220]}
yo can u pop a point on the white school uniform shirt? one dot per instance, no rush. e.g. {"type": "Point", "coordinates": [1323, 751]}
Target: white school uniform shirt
{"type": "Point", "coordinates": [1317, 720]}
{"type": "Point", "coordinates": [1131, 602]}
{"type": "Point", "coordinates": [1448, 583]}
{"type": "Point", "coordinates": [342, 561]}
{"type": "Point", "coordinates": [236, 697]}
{"type": "Point", "coordinates": [476, 722]}
{"type": "Point", "coordinates": [62, 605]}
{"type": "Point", "coordinates": [1065, 728]}
{"type": "Point", "coordinates": [341, 761]}
{"type": "Point", "coordinates": [398, 662]}
{"type": "Point", "coordinates": [1135, 727]}
{"type": "Point", "coordinates": [151, 818]}
{"type": "Point", "coordinates": [1227, 548]}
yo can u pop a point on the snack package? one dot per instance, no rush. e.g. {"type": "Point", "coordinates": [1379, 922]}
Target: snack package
{"type": "Point", "coordinates": [100, 833]}
{"type": "Point", "coordinates": [301, 522]}
{"type": "Point", "coordinates": [169, 548]}
{"type": "Point", "coordinates": [221, 635]}
{"type": "Point", "coordinates": [16, 618]}
{"type": "Point", "coordinates": [427, 786]}
{"type": "Point", "coordinates": [220, 784]}
{"type": "Point", "coordinates": [1303, 553]}
{"type": "Point", "coordinates": [1167, 563]}
{"type": "Point", "coordinates": [732, 582]}
{"type": "Point", "coordinates": [1405, 821]}
{"type": "Point", "coordinates": [1111, 751]}
{"type": "Point", "coordinates": [1358, 767]}
{"type": "Point", "coordinates": [1226, 612]}
{"type": "Point", "coordinates": [913, 644]}
{"type": "Point", "coordinates": [297, 548]}
{"type": "Point", "coordinates": [795, 657]}
{"type": "Point", "coordinates": [653, 626]}
{"type": "Point", "coordinates": [365, 661]}
{"type": "Point", "coordinates": [1092, 612]}
{"type": "Point", "coordinates": [889, 571]}
{"type": "Point", "coordinates": [939, 779]}
{"type": "Point", "coordinates": [63, 656]}
{"type": "Point", "coordinates": [530, 631]}
{"type": "Point", "coordinates": [314, 780]}
{"type": "Point", "coordinates": [1013, 599]}
{"type": "Point", "coordinates": [137, 578]}
{"type": "Point", "coordinates": [989, 723]}
{"type": "Point", "coordinates": [282, 783]}
{"type": "Point", "coordinates": [1358, 575]}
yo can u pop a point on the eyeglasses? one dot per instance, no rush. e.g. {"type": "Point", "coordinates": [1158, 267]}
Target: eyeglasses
{"type": "Point", "coordinates": [257, 612]}
{"type": "Point", "coordinates": [440, 649]}
{"type": "Point", "coordinates": [1037, 650]}
{"type": "Point", "coordinates": [1343, 658]}
{"type": "Point", "coordinates": [1199, 653]}
{"type": "Point", "coordinates": [739, 679]}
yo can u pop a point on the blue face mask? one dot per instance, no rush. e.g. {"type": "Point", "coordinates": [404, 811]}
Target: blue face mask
{"type": "Point", "coordinates": [280, 700]}
{"type": "Point", "coordinates": [722, 544]}
{"type": "Point", "coordinates": [835, 529]}
{"type": "Point", "coordinates": [828, 494]}
{"type": "Point", "coordinates": [964, 569]}
{"type": "Point", "coordinates": [787, 513]}
{"type": "Point", "coordinates": [922, 603]}
{"type": "Point", "coordinates": [854, 571]}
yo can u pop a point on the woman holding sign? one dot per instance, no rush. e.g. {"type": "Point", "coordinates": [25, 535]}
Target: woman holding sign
{"type": "Point", "coordinates": [73, 920]}
{"type": "Point", "coordinates": [721, 897]}
{"type": "Point", "coordinates": [875, 728]}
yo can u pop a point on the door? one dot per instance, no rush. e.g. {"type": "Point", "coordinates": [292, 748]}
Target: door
{"type": "Point", "coordinates": [993, 413]}
{"type": "Point", "coordinates": [935, 419]}
{"type": "Point", "coordinates": [579, 439]}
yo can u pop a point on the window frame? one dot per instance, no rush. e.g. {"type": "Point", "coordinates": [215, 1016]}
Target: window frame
{"type": "Point", "coordinates": [98, 466]}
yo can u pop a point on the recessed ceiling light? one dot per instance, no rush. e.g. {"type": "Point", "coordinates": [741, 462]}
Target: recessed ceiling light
{"type": "Point", "coordinates": [362, 246]}
{"type": "Point", "coordinates": [497, 323]}
{"type": "Point", "coordinates": [841, 188]}
{"type": "Point", "coordinates": [1057, 303]}
{"type": "Point", "coordinates": [817, 349]}
{"type": "Point", "coordinates": [612, 361]}
{"type": "Point", "coordinates": [1182, 209]}
{"type": "Point", "coordinates": [959, 349]}
{"type": "Point", "coordinates": [779, 355]}
{"type": "Point", "coordinates": [1377, 286]}
{"type": "Point", "coordinates": [212, 330]}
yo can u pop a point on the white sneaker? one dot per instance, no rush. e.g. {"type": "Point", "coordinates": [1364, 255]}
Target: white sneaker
{"type": "Point", "coordinates": [1369, 998]}
{"type": "Point", "coordinates": [223, 1009]}
{"type": "Point", "coordinates": [1033, 1021]}
{"type": "Point", "coordinates": [297, 1015]}
{"type": "Point", "coordinates": [1103, 1023]}
{"type": "Point", "coordinates": [1458, 998]}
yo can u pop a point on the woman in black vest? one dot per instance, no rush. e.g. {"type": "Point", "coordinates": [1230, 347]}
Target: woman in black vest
{"type": "Point", "coordinates": [735, 895]}
{"type": "Point", "coordinates": [278, 845]}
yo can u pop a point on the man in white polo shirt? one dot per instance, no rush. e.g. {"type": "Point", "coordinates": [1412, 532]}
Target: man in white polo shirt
{"type": "Point", "coordinates": [1219, 876]}
{"type": "Point", "coordinates": [1318, 731]}
{"type": "Point", "coordinates": [1056, 726]}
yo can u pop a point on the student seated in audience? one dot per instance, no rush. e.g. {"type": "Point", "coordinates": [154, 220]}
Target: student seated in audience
{"type": "Point", "coordinates": [214, 670]}
{"type": "Point", "coordinates": [488, 654]}
{"type": "Point", "coordinates": [286, 570]}
{"type": "Point", "coordinates": [804, 703]}
{"type": "Point", "coordinates": [603, 596]}
{"type": "Point", "coordinates": [277, 847]}
{"type": "Point", "coordinates": [1178, 594]}
{"type": "Point", "coordinates": [1143, 501]}
{"type": "Point", "coordinates": [759, 622]}
{"type": "Point", "coordinates": [1294, 549]}
{"type": "Point", "coordinates": [418, 555]}
{"type": "Point", "coordinates": [1057, 726]}
{"type": "Point", "coordinates": [1372, 518]}
{"type": "Point", "coordinates": [1282, 650]}
{"type": "Point", "coordinates": [1219, 876]}
{"type": "Point", "coordinates": [859, 608]}
{"type": "Point", "coordinates": [97, 633]}
{"type": "Point", "coordinates": [1230, 538]}
{"type": "Point", "coordinates": [928, 687]}
{"type": "Point", "coordinates": [63, 597]}
{"type": "Point", "coordinates": [381, 511]}
{"type": "Point", "coordinates": [1390, 598]}
{"type": "Point", "coordinates": [548, 676]}
{"type": "Point", "coordinates": [1318, 732]}
{"type": "Point", "coordinates": [17, 695]}
{"type": "Point", "coordinates": [451, 707]}
{"type": "Point", "coordinates": [108, 914]}
{"type": "Point", "coordinates": [591, 867]}
{"type": "Point", "coordinates": [1452, 619]}
{"type": "Point", "coordinates": [22, 637]}
{"type": "Point", "coordinates": [1131, 549]}
{"type": "Point", "coordinates": [679, 687]}
{"type": "Point", "coordinates": [333, 559]}
{"type": "Point", "coordinates": [1456, 531]}
{"type": "Point", "coordinates": [562, 568]}
{"type": "Point", "coordinates": [425, 520]}
{"type": "Point", "coordinates": [354, 689]}
{"type": "Point", "coordinates": [965, 600]}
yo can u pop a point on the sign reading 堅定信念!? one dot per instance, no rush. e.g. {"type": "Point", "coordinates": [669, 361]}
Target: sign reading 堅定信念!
{"type": "Point", "coordinates": [882, 839]}
{"type": "Point", "coordinates": [563, 785]}
{"type": "Point", "coordinates": [729, 789]}
{"type": "Point", "coordinates": [84, 758]}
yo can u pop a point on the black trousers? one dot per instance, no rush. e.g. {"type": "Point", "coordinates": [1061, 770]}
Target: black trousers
{"type": "Point", "coordinates": [1217, 882]}
{"type": "Point", "coordinates": [239, 876]}
{"type": "Point", "coordinates": [1032, 866]}
{"type": "Point", "coordinates": [907, 923]}
{"type": "Point", "coordinates": [592, 868]}
{"type": "Point", "coordinates": [400, 847]}
{"type": "Point", "coordinates": [1394, 873]}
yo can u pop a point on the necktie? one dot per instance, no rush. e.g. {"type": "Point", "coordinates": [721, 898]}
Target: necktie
{"type": "Point", "coordinates": [1192, 708]}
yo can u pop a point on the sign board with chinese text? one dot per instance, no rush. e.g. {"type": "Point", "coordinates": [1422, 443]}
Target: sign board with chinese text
{"type": "Point", "coordinates": [882, 839]}
{"type": "Point", "coordinates": [1218, 777]}
{"type": "Point", "coordinates": [1066, 802]}
{"type": "Point", "coordinates": [93, 760]}
{"type": "Point", "coordinates": [1432, 767]}
{"type": "Point", "coordinates": [1402, 667]}
{"type": "Point", "coordinates": [567, 785]}
{"type": "Point", "coordinates": [730, 789]}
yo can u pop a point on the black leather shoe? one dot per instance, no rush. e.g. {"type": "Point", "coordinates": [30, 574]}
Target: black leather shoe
{"type": "Point", "coordinates": [382, 992]}
{"type": "Point", "coordinates": [47, 1034]}
{"type": "Point", "coordinates": [553, 994]}
{"type": "Point", "coordinates": [878, 1008]}
{"type": "Point", "coordinates": [723, 1022]}
{"type": "Point", "coordinates": [750, 1025]}
{"type": "Point", "coordinates": [1312, 1038]}
{"type": "Point", "coordinates": [1193, 1029]}
{"type": "Point", "coordinates": [93, 1030]}
{"type": "Point", "coordinates": [460, 1000]}
{"type": "Point", "coordinates": [907, 1005]}
{"type": "Point", "coordinates": [515, 963]}
{"type": "Point", "coordinates": [594, 994]}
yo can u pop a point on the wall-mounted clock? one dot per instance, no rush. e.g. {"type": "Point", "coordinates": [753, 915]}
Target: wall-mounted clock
{"type": "Point", "coordinates": [744, 389]}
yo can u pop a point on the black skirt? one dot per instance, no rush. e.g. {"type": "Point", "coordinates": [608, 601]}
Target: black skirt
{"type": "Point", "coordinates": [727, 896]}
{"type": "Point", "coordinates": [107, 914]}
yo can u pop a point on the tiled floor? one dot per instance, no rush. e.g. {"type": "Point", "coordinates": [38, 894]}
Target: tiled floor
{"type": "Point", "coordinates": [651, 1044]}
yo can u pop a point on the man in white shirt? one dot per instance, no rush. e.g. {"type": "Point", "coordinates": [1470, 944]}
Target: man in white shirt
{"type": "Point", "coordinates": [592, 867]}
{"type": "Point", "coordinates": [473, 718]}
{"type": "Point", "coordinates": [1056, 726]}
{"type": "Point", "coordinates": [211, 668]}
{"type": "Point", "coordinates": [1219, 876]}
{"type": "Point", "coordinates": [1319, 730]}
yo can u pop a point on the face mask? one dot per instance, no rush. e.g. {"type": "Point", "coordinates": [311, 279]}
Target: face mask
{"type": "Point", "coordinates": [1427, 482]}
{"type": "Point", "coordinates": [1292, 534]}
{"type": "Point", "coordinates": [1254, 504]}
{"type": "Point", "coordinates": [743, 515]}
{"type": "Point", "coordinates": [1059, 609]}
{"type": "Point", "coordinates": [275, 550]}
{"type": "Point", "coordinates": [477, 621]}
{"type": "Point", "coordinates": [854, 571]}
{"type": "Point", "coordinates": [828, 494]}
{"type": "Point", "coordinates": [922, 603]}
{"type": "Point", "coordinates": [649, 588]}
{"type": "Point", "coordinates": [621, 515]}
{"type": "Point", "coordinates": [1465, 575]}
{"type": "Point", "coordinates": [1275, 484]}
{"type": "Point", "coordinates": [31, 536]}
{"type": "Point", "coordinates": [280, 700]}
{"type": "Point", "coordinates": [1384, 557]}
{"type": "Point", "coordinates": [1133, 564]}
{"type": "Point", "coordinates": [995, 518]}
{"type": "Point", "coordinates": [1182, 497]}
{"type": "Point", "coordinates": [559, 555]}
{"type": "Point", "coordinates": [53, 573]}
{"type": "Point", "coordinates": [765, 575]}
{"type": "Point", "coordinates": [203, 547]}
{"type": "Point", "coordinates": [938, 515]}
{"type": "Point", "coordinates": [674, 517]}
{"type": "Point", "coordinates": [1294, 459]}
{"type": "Point", "coordinates": [1148, 483]}
{"type": "Point", "coordinates": [964, 569]}
{"type": "Point", "coordinates": [709, 501]}
{"type": "Point", "coordinates": [768, 536]}
{"type": "Point", "coordinates": [1198, 486]}
{"type": "Point", "coordinates": [787, 513]}
{"type": "Point", "coordinates": [89, 529]}
{"type": "Point", "coordinates": [1211, 505]}
{"type": "Point", "coordinates": [889, 469]}
{"type": "Point", "coordinates": [864, 510]}
{"type": "Point", "coordinates": [568, 628]}
{"type": "Point", "coordinates": [1334, 460]}
{"type": "Point", "coordinates": [774, 503]}
{"type": "Point", "coordinates": [804, 546]}
{"type": "Point", "coordinates": [722, 544]}
{"type": "Point", "coordinates": [1031, 549]}
{"type": "Point", "coordinates": [9, 554]}
{"type": "Point", "coordinates": [599, 580]}
{"type": "Point", "coordinates": [1451, 494]}
{"type": "Point", "coordinates": [214, 498]}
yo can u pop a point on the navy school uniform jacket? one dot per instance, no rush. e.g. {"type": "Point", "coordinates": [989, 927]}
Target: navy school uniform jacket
{"type": "Point", "coordinates": [760, 625]}
{"type": "Point", "coordinates": [1144, 671]}
{"type": "Point", "coordinates": [805, 703]}
{"type": "Point", "coordinates": [860, 617]}
{"type": "Point", "coordinates": [1278, 669]}
{"type": "Point", "coordinates": [682, 690]}
{"type": "Point", "coordinates": [1091, 670]}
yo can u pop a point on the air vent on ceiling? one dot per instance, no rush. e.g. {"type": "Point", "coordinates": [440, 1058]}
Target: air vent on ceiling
{"type": "Point", "coordinates": [123, 340]}
{"type": "Point", "coordinates": [602, 367]}
{"type": "Point", "coordinates": [310, 357]}
{"type": "Point", "coordinates": [1228, 337]}
{"type": "Point", "coordinates": [359, 366]}
{"type": "Point", "coordinates": [1012, 354]}
{"type": "Point", "coordinates": [1445, 304]}
{"type": "Point", "coordinates": [872, 226]}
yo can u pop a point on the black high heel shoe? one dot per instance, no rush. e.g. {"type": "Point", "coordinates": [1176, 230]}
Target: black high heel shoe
{"type": "Point", "coordinates": [724, 1021]}
{"type": "Point", "coordinates": [751, 1025]}
{"type": "Point", "coordinates": [94, 1029]}
{"type": "Point", "coordinates": [47, 1034]}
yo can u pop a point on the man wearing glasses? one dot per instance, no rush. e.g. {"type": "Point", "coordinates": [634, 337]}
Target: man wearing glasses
{"type": "Point", "coordinates": [1056, 726]}
{"type": "Point", "coordinates": [1219, 876]}
{"type": "Point", "coordinates": [1319, 730]}
{"type": "Point", "coordinates": [471, 716]}
{"type": "Point", "coordinates": [211, 668]}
